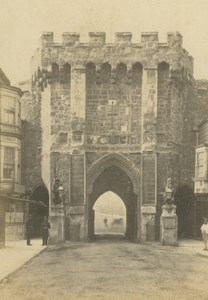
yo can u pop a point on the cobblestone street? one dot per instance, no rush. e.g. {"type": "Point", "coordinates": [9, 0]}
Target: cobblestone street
{"type": "Point", "coordinates": [113, 269]}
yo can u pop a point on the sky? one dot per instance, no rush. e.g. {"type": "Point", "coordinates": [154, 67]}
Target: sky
{"type": "Point", "coordinates": [23, 21]}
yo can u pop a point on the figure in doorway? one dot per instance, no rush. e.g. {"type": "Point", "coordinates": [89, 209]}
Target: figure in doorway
{"type": "Point", "coordinates": [105, 220]}
{"type": "Point", "coordinates": [29, 228]}
{"type": "Point", "coordinates": [45, 226]}
{"type": "Point", "coordinates": [204, 231]}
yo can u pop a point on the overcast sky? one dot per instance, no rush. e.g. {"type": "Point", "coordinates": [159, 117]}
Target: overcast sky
{"type": "Point", "coordinates": [23, 21]}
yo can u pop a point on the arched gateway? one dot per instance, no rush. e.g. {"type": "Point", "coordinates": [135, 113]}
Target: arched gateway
{"type": "Point", "coordinates": [112, 119]}
{"type": "Point", "coordinates": [114, 172]}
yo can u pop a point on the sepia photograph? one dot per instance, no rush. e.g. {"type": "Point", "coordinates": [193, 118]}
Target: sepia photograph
{"type": "Point", "coordinates": [103, 149]}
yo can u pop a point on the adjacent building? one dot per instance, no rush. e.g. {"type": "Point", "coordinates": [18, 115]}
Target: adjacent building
{"type": "Point", "coordinates": [10, 159]}
{"type": "Point", "coordinates": [201, 157]}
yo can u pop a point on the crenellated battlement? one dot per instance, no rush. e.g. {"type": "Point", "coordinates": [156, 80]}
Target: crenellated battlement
{"type": "Point", "coordinates": [149, 52]}
{"type": "Point", "coordinates": [70, 38]}
{"type": "Point", "coordinates": [99, 38]}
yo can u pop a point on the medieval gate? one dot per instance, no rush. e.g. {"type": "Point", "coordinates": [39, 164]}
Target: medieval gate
{"type": "Point", "coordinates": [112, 119]}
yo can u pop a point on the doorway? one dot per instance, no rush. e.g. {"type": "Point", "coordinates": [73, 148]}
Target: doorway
{"type": "Point", "coordinates": [114, 174]}
{"type": "Point", "coordinates": [109, 216]}
{"type": "Point", "coordinates": [39, 208]}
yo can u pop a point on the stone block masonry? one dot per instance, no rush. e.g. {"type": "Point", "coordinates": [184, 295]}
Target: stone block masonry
{"type": "Point", "coordinates": [112, 109]}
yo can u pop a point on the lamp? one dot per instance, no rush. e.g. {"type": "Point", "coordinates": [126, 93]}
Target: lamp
{"type": "Point", "coordinates": [58, 192]}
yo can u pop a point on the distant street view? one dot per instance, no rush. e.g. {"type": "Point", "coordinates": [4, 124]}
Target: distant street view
{"type": "Point", "coordinates": [110, 214]}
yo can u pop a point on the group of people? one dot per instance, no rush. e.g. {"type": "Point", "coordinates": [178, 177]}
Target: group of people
{"type": "Point", "coordinates": [45, 226]}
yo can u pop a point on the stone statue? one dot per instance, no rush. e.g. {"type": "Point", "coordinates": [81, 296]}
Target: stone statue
{"type": "Point", "coordinates": [168, 195]}
{"type": "Point", "coordinates": [55, 189]}
{"type": "Point", "coordinates": [168, 207]}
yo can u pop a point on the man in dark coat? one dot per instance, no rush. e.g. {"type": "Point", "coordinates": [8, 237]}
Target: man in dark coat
{"type": "Point", "coordinates": [29, 229]}
{"type": "Point", "coordinates": [45, 226]}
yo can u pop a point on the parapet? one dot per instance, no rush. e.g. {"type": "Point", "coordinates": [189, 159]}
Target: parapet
{"type": "Point", "coordinates": [174, 39]}
{"type": "Point", "coordinates": [97, 38]}
{"type": "Point", "coordinates": [149, 51]}
{"type": "Point", "coordinates": [148, 39]}
{"type": "Point", "coordinates": [47, 39]}
{"type": "Point", "coordinates": [123, 37]}
{"type": "Point", "coordinates": [70, 38]}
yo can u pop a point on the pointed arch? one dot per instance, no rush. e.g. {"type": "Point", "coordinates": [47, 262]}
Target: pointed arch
{"type": "Point", "coordinates": [90, 73]}
{"type": "Point", "coordinates": [66, 73]}
{"type": "Point", "coordinates": [105, 73]}
{"type": "Point", "coordinates": [40, 206]}
{"type": "Point", "coordinates": [163, 67]}
{"type": "Point", "coordinates": [55, 71]}
{"type": "Point", "coordinates": [117, 160]}
{"type": "Point", "coordinates": [122, 72]}
{"type": "Point", "coordinates": [137, 72]}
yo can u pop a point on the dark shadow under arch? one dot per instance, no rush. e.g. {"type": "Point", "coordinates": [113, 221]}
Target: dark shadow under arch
{"type": "Point", "coordinates": [113, 159]}
{"type": "Point", "coordinates": [39, 209]}
{"type": "Point", "coordinates": [185, 200]}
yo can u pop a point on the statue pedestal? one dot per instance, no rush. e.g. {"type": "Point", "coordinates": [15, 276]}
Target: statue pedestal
{"type": "Point", "coordinates": [169, 225]}
{"type": "Point", "coordinates": [57, 221]}
{"type": "Point", "coordinates": [76, 214]}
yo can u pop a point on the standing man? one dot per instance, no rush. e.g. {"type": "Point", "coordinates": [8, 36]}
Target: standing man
{"type": "Point", "coordinates": [45, 226]}
{"type": "Point", "coordinates": [204, 231]}
{"type": "Point", "coordinates": [105, 220]}
{"type": "Point", "coordinates": [29, 229]}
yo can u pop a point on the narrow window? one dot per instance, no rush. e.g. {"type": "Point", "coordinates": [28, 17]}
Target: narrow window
{"type": "Point", "coordinates": [8, 169]}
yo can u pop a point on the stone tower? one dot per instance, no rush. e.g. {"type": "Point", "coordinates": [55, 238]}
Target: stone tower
{"type": "Point", "coordinates": [112, 119]}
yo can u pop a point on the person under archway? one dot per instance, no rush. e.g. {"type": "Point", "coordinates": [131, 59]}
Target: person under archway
{"type": "Point", "coordinates": [45, 226]}
{"type": "Point", "coordinates": [105, 220]}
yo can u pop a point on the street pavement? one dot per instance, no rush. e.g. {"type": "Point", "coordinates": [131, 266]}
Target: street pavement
{"type": "Point", "coordinates": [17, 253]}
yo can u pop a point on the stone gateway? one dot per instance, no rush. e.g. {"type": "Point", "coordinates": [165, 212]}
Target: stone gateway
{"type": "Point", "coordinates": [111, 117]}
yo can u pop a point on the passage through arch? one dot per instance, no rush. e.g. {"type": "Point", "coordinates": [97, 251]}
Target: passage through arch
{"type": "Point", "coordinates": [39, 208]}
{"type": "Point", "coordinates": [109, 215]}
{"type": "Point", "coordinates": [114, 173]}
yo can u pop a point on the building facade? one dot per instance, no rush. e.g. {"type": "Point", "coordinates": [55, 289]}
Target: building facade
{"type": "Point", "coordinates": [10, 158]}
{"type": "Point", "coordinates": [110, 117]}
{"type": "Point", "coordinates": [201, 176]}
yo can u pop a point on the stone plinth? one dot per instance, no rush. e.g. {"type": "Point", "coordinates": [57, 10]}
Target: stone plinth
{"type": "Point", "coordinates": [169, 225]}
{"type": "Point", "coordinates": [57, 221]}
{"type": "Point", "coordinates": [76, 214]}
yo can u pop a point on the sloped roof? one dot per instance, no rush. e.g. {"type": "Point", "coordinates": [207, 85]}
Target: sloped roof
{"type": "Point", "coordinates": [3, 78]}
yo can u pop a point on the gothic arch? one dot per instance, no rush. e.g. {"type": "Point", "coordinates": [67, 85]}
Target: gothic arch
{"type": "Point", "coordinates": [109, 160]}
{"type": "Point", "coordinates": [39, 207]}
{"type": "Point", "coordinates": [163, 64]}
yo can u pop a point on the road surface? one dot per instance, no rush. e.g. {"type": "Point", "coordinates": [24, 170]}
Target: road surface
{"type": "Point", "coordinates": [110, 269]}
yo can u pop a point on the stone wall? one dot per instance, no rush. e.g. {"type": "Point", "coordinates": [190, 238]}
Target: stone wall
{"type": "Point", "coordinates": [31, 132]}
{"type": "Point", "coordinates": [134, 100]}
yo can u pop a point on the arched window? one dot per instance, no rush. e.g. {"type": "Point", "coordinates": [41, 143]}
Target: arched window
{"type": "Point", "coordinates": [121, 73]}
{"type": "Point", "coordinates": [90, 73]}
{"type": "Point", "coordinates": [66, 73]}
{"type": "Point", "coordinates": [55, 71]}
{"type": "Point", "coordinates": [106, 73]}
{"type": "Point", "coordinates": [137, 70]}
{"type": "Point", "coordinates": [163, 72]}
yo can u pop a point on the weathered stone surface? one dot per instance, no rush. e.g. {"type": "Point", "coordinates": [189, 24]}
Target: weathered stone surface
{"type": "Point", "coordinates": [129, 102]}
